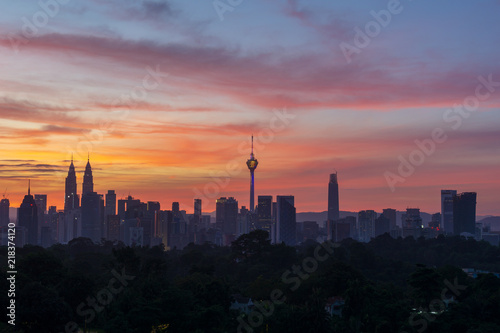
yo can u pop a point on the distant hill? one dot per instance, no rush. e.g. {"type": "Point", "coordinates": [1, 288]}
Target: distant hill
{"type": "Point", "coordinates": [493, 221]}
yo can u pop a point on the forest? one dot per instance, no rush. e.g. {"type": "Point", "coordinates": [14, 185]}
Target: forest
{"type": "Point", "coordinates": [386, 285]}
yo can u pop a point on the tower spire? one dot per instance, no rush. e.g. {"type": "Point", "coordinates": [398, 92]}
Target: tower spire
{"type": "Point", "coordinates": [29, 186]}
{"type": "Point", "coordinates": [252, 143]}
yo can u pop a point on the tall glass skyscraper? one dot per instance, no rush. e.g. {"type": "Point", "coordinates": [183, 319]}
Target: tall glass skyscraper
{"type": "Point", "coordinates": [333, 198]}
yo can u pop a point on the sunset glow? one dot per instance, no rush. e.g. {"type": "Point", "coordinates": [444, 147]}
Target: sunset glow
{"type": "Point", "coordinates": [165, 96]}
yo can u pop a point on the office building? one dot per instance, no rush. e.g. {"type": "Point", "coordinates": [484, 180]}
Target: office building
{"type": "Point", "coordinates": [333, 198]}
{"type": "Point", "coordinates": [344, 228]}
{"type": "Point", "coordinates": [4, 212]}
{"type": "Point", "coordinates": [464, 213]}
{"type": "Point", "coordinates": [71, 198]}
{"type": "Point", "coordinates": [447, 210]}
{"type": "Point", "coordinates": [226, 211]}
{"type": "Point", "coordinates": [28, 218]}
{"type": "Point", "coordinates": [110, 203]}
{"type": "Point", "coordinates": [390, 214]}
{"type": "Point", "coordinates": [382, 225]}
{"type": "Point", "coordinates": [92, 215]}
{"type": "Point", "coordinates": [113, 226]}
{"type": "Point", "coordinates": [366, 225]}
{"type": "Point", "coordinates": [264, 213]}
{"type": "Point", "coordinates": [286, 224]}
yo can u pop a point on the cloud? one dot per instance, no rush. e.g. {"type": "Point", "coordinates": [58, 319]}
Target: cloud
{"type": "Point", "coordinates": [376, 81]}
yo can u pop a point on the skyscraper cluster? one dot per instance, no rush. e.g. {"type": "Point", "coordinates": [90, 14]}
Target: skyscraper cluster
{"type": "Point", "coordinates": [457, 217]}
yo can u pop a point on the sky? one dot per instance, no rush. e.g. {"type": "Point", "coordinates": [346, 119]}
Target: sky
{"type": "Point", "coordinates": [401, 99]}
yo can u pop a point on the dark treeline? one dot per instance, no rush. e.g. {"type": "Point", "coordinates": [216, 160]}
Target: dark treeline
{"type": "Point", "coordinates": [388, 285]}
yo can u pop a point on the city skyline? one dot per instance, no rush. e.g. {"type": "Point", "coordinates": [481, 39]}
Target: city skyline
{"type": "Point", "coordinates": [87, 182]}
{"type": "Point", "coordinates": [165, 96]}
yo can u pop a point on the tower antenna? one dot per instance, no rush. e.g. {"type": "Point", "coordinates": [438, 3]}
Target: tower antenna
{"type": "Point", "coordinates": [252, 143]}
{"type": "Point", "coordinates": [29, 186]}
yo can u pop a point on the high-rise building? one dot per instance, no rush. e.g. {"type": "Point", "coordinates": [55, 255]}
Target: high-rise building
{"type": "Point", "coordinates": [28, 218]}
{"type": "Point", "coordinates": [333, 198]}
{"type": "Point", "coordinates": [153, 207]}
{"type": "Point", "coordinates": [71, 198]}
{"type": "Point", "coordinates": [110, 203]}
{"type": "Point", "coordinates": [265, 213]}
{"type": "Point", "coordinates": [226, 211]}
{"type": "Point", "coordinates": [197, 211]}
{"type": "Point", "coordinates": [464, 213]}
{"type": "Point", "coordinates": [286, 223]}
{"type": "Point", "coordinates": [41, 202]}
{"type": "Point", "coordinates": [92, 205]}
{"type": "Point", "coordinates": [390, 214]}
{"type": "Point", "coordinates": [366, 225]}
{"type": "Point", "coordinates": [447, 210]}
{"type": "Point", "coordinates": [46, 236]}
{"type": "Point", "coordinates": [88, 180]}
{"type": "Point", "coordinates": [242, 224]}
{"type": "Point", "coordinates": [175, 207]}
{"type": "Point", "coordinates": [252, 165]}
{"type": "Point", "coordinates": [382, 225]}
{"type": "Point", "coordinates": [113, 226]}
{"type": "Point", "coordinates": [4, 212]}
{"type": "Point", "coordinates": [411, 223]}
{"type": "Point", "coordinates": [344, 228]}
{"type": "Point", "coordinates": [164, 228]}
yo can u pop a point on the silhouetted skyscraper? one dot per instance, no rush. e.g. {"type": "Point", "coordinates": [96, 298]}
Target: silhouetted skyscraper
{"type": "Point", "coordinates": [71, 199]}
{"type": "Point", "coordinates": [286, 223]}
{"type": "Point", "coordinates": [88, 180]}
{"type": "Point", "coordinates": [464, 213]}
{"type": "Point", "coordinates": [28, 218]}
{"type": "Point", "coordinates": [333, 198]}
{"type": "Point", "coordinates": [110, 203]}
{"type": "Point", "coordinates": [113, 226]}
{"type": "Point", "coordinates": [197, 212]}
{"type": "Point", "coordinates": [226, 211]}
{"type": "Point", "coordinates": [264, 213]}
{"type": "Point", "coordinates": [252, 165]}
{"type": "Point", "coordinates": [92, 203]}
{"type": "Point", "coordinates": [447, 210]}
{"type": "Point", "coordinates": [411, 223]}
{"type": "Point", "coordinates": [41, 202]}
{"type": "Point", "coordinates": [382, 225]}
{"type": "Point", "coordinates": [366, 225]}
{"type": "Point", "coordinates": [390, 214]}
{"type": "Point", "coordinates": [175, 207]}
{"type": "Point", "coordinates": [4, 212]}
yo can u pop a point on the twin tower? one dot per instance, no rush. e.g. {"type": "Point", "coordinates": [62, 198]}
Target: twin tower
{"type": "Point", "coordinates": [72, 199]}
